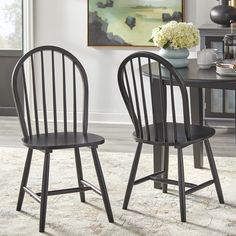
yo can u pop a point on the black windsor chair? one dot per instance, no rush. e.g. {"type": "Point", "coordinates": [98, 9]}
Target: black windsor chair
{"type": "Point", "coordinates": [141, 95]}
{"type": "Point", "coordinates": [54, 77]}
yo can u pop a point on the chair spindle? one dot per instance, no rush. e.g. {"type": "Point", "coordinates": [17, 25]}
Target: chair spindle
{"type": "Point", "coordinates": [35, 96]}
{"type": "Point", "coordinates": [74, 100]}
{"type": "Point", "coordinates": [144, 99]}
{"type": "Point", "coordinates": [173, 107]}
{"type": "Point", "coordinates": [26, 102]}
{"type": "Point", "coordinates": [64, 93]}
{"type": "Point", "coordinates": [162, 104]}
{"type": "Point", "coordinates": [54, 92]}
{"type": "Point", "coordinates": [129, 102]}
{"type": "Point", "coordinates": [136, 100]}
{"type": "Point", "coordinates": [44, 95]}
{"type": "Point", "coordinates": [154, 114]}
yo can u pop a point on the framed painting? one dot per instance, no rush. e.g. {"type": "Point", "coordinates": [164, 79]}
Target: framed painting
{"type": "Point", "coordinates": [129, 22]}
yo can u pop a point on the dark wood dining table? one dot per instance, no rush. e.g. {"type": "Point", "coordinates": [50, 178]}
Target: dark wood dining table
{"type": "Point", "coordinates": [196, 79]}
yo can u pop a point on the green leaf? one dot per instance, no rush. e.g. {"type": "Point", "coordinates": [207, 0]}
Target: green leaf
{"type": "Point", "coordinates": [166, 45]}
{"type": "Point", "coordinates": [150, 40]}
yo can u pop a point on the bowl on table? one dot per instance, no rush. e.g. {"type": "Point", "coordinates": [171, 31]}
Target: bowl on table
{"type": "Point", "coordinates": [226, 68]}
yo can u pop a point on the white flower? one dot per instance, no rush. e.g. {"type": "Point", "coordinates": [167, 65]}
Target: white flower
{"type": "Point", "coordinates": [176, 35]}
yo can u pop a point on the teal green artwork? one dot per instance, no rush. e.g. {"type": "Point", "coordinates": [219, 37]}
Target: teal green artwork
{"type": "Point", "coordinates": [129, 22]}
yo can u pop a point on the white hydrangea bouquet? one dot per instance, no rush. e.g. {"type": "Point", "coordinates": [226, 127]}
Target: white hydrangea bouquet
{"type": "Point", "coordinates": [175, 35]}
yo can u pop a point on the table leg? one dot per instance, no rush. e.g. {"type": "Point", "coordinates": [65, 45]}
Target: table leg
{"type": "Point", "coordinates": [158, 162]}
{"type": "Point", "coordinates": [196, 100]}
{"type": "Point", "coordinates": [235, 116]}
{"type": "Point", "coordinates": [158, 151]}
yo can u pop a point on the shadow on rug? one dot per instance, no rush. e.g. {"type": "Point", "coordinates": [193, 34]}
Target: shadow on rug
{"type": "Point", "coordinates": [150, 211]}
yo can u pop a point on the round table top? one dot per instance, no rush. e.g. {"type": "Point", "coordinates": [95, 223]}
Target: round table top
{"type": "Point", "coordinates": [196, 77]}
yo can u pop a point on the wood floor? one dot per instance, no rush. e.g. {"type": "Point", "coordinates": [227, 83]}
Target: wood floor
{"type": "Point", "coordinates": [119, 138]}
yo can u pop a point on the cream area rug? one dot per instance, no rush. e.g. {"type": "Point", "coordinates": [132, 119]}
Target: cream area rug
{"type": "Point", "coordinates": [150, 211]}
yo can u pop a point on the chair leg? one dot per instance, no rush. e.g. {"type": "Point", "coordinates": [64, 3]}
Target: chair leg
{"type": "Point", "coordinates": [24, 179]}
{"type": "Point", "coordinates": [79, 172]}
{"type": "Point", "coordinates": [214, 171]}
{"type": "Point", "coordinates": [181, 185]}
{"type": "Point", "coordinates": [132, 176]}
{"type": "Point", "coordinates": [44, 192]}
{"type": "Point", "coordinates": [102, 185]}
{"type": "Point", "coordinates": [166, 168]}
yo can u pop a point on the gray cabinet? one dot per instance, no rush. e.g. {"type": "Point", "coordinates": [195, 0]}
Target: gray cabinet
{"type": "Point", "coordinates": [8, 59]}
{"type": "Point", "coordinates": [219, 103]}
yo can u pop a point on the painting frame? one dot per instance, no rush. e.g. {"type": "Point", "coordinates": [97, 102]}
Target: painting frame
{"type": "Point", "coordinates": [101, 33]}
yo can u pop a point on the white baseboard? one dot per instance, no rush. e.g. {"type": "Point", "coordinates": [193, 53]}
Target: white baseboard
{"type": "Point", "coordinates": [109, 118]}
{"type": "Point", "coordinates": [93, 117]}
{"type": "Point", "coordinates": [117, 118]}
{"type": "Point", "coordinates": [99, 118]}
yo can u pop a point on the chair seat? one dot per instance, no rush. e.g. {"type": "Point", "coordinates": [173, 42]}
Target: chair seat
{"type": "Point", "coordinates": [62, 140]}
{"type": "Point", "coordinates": [197, 133]}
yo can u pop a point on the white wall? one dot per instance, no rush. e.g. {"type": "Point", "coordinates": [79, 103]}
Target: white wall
{"type": "Point", "coordinates": [203, 11]}
{"type": "Point", "coordinates": [64, 23]}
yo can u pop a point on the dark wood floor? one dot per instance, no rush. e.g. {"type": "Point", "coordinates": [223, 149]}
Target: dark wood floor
{"type": "Point", "coordinates": [119, 138]}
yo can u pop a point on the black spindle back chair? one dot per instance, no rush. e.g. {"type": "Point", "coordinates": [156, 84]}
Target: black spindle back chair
{"type": "Point", "coordinates": [152, 106]}
{"type": "Point", "coordinates": [47, 84]}
{"type": "Point", "coordinates": [54, 115]}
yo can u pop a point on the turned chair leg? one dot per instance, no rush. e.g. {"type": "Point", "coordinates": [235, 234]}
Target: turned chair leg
{"type": "Point", "coordinates": [24, 179]}
{"type": "Point", "coordinates": [132, 176]}
{"type": "Point", "coordinates": [44, 192]}
{"type": "Point", "coordinates": [214, 171]}
{"type": "Point", "coordinates": [79, 172]}
{"type": "Point", "coordinates": [166, 168]}
{"type": "Point", "coordinates": [102, 185]}
{"type": "Point", "coordinates": [182, 199]}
